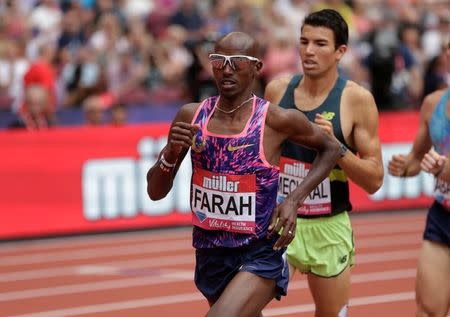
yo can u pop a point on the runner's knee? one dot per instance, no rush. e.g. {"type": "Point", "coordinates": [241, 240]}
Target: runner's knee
{"type": "Point", "coordinates": [428, 309]}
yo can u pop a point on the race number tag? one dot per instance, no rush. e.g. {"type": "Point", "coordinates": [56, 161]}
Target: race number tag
{"type": "Point", "coordinates": [223, 202]}
{"type": "Point", "coordinates": [292, 173]}
{"type": "Point", "coordinates": [442, 193]}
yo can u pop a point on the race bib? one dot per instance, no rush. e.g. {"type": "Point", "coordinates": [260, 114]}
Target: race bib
{"type": "Point", "coordinates": [223, 202]}
{"type": "Point", "coordinates": [442, 193]}
{"type": "Point", "coordinates": [292, 173]}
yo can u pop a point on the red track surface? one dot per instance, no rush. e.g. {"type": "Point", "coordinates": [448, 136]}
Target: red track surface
{"type": "Point", "coordinates": [151, 274]}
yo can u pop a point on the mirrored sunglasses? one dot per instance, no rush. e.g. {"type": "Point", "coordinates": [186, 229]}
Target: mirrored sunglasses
{"type": "Point", "coordinates": [236, 62]}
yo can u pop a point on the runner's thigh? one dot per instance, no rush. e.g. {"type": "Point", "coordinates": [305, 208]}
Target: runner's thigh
{"type": "Point", "coordinates": [245, 296]}
{"type": "Point", "coordinates": [330, 294]}
{"type": "Point", "coordinates": [432, 283]}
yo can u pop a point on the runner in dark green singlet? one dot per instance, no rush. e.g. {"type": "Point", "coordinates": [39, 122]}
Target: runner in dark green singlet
{"type": "Point", "coordinates": [323, 246]}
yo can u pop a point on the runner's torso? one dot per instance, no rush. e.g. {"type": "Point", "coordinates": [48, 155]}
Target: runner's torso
{"type": "Point", "coordinates": [439, 128]}
{"type": "Point", "coordinates": [233, 190]}
{"type": "Point", "coordinates": [331, 197]}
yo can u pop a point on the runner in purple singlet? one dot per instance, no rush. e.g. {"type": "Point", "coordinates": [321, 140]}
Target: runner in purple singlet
{"type": "Point", "coordinates": [240, 234]}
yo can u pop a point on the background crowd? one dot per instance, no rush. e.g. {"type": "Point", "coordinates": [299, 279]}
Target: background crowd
{"type": "Point", "coordinates": [122, 61]}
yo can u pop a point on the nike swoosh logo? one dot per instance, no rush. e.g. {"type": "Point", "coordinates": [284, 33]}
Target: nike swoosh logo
{"type": "Point", "coordinates": [232, 148]}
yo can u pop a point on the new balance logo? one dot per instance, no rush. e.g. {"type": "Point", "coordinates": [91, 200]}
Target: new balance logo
{"type": "Point", "coordinates": [328, 115]}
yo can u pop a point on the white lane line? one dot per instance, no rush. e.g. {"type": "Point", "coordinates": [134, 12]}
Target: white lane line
{"type": "Point", "coordinates": [167, 277]}
{"type": "Point", "coordinates": [177, 276]}
{"type": "Point", "coordinates": [187, 297]}
{"type": "Point", "coordinates": [107, 307]}
{"type": "Point", "coordinates": [182, 232]}
{"type": "Point", "coordinates": [148, 262]}
{"type": "Point", "coordinates": [182, 245]}
{"type": "Point", "coordinates": [94, 253]}
{"type": "Point", "coordinates": [103, 239]}
{"type": "Point", "coordinates": [358, 301]}
{"type": "Point", "coordinates": [158, 237]}
{"type": "Point", "coordinates": [168, 261]}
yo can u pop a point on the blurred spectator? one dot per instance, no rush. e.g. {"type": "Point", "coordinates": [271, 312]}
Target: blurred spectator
{"type": "Point", "coordinates": [128, 71]}
{"type": "Point", "coordinates": [380, 61]}
{"type": "Point", "coordinates": [119, 115]}
{"type": "Point", "coordinates": [149, 52]}
{"type": "Point", "coordinates": [189, 17]}
{"type": "Point", "coordinates": [93, 110]}
{"type": "Point", "coordinates": [407, 78]}
{"type": "Point", "coordinates": [12, 19]}
{"type": "Point", "coordinates": [42, 72]}
{"type": "Point", "coordinates": [293, 13]}
{"type": "Point", "coordinates": [32, 115]}
{"type": "Point", "coordinates": [363, 22]}
{"type": "Point", "coordinates": [127, 79]}
{"type": "Point", "coordinates": [158, 20]}
{"type": "Point", "coordinates": [435, 74]}
{"type": "Point", "coordinates": [199, 75]}
{"type": "Point", "coordinates": [172, 60]}
{"type": "Point", "coordinates": [82, 77]}
{"type": "Point", "coordinates": [437, 29]}
{"type": "Point", "coordinates": [72, 36]}
{"type": "Point", "coordinates": [46, 17]}
{"type": "Point", "coordinates": [281, 57]}
{"type": "Point", "coordinates": [221, 19]}
{"type": "Point", "coordinates": [13, 65]}
{"type": "Point", "coordinates": [340, 6]}
{"type": "Point", "coordinates": [137, 8]}
{"type": "Point", "coordinates": [108, 37]}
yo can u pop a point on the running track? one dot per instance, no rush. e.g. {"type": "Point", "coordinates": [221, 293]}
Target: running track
{"type": "Point", "coordinates": [150, 273]}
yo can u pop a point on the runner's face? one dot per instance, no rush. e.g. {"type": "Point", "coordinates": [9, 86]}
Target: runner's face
{"type": "Point", "coordinates": [233, 81]}
{"type": "Point", "coordinates": [317, 50]}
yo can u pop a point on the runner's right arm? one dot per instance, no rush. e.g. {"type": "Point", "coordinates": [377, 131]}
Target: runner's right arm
{"type": "Point", "coordinates": [409, 165]}
{"type": "Point", "coordinates": [161, 175]}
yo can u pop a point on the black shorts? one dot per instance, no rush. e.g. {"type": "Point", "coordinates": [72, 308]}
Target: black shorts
{"type": "Point", "coordinates": [216, 267]}
{"type": "Point", "coordinates": [438, 224]}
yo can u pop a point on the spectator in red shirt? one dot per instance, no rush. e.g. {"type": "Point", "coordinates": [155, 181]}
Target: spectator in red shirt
{"type": "Point", "coordinates": [42, 72]}
{"type": "Point", "coordinates": [32, 115]}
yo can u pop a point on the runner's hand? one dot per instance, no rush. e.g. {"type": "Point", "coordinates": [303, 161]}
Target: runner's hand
{"type": "Point", "coordinates": [284, 221]}
{"type": "Point", "coordinates": [433, 162]}
{"type": "Point", "coordinates": [180, 138]}
{"type": "Point", "coordinates": [397, 165]}
{"type": "Point", "coordinates": [323, 123]}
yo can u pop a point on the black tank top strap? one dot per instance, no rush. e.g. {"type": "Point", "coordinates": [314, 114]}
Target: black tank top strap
{"type": "Point", "coordinates": [288, 100]}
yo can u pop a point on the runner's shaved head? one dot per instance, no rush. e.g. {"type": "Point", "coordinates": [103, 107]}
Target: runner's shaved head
{"type": "Point", "coordinates": [239, 42]}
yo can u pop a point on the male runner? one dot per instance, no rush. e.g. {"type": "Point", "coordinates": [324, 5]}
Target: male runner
{"type": "Point", "coordinates": [323, 247]}
{"type": "Point", "coordinates": [239, 233]}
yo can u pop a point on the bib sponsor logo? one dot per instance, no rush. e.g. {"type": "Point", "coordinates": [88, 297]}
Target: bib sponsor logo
{"type": "Point", "coordinates": [224, 202]}
{"type": "Point", "coordinates": [442, 192]}
{"type": "Point", "coordinates": [292, 173]}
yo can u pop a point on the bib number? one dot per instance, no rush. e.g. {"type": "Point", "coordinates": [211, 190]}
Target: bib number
{"type": "Point", "coordinates": [292, 173]}
{"type": "Point", "coordinates": [223, 202]}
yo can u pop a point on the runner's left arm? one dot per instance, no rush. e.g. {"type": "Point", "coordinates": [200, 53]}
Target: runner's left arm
{"type": "Point", "coordinates": [296, 127]}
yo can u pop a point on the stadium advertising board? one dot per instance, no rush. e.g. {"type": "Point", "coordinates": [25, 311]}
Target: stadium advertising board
{"type": "Point", "coordinates": [77, 180]}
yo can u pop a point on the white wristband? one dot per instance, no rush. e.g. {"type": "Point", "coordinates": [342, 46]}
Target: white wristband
{"type": "Point", "coordinates": [167, 164]}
